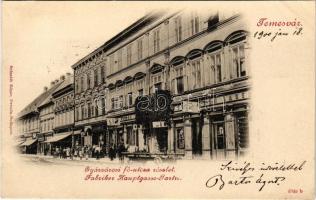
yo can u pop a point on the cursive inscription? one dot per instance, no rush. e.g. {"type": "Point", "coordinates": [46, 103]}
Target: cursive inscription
{"type": "Point", "coordinates": [269, 174]}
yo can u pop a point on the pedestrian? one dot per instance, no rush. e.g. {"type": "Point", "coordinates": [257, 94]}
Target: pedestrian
{"type": "Point", "coordinates": [111, 152]}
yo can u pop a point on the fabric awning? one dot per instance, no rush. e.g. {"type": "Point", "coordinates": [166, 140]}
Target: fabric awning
{"type": "Point", "coordinates": [58, 137]}
{"type": "Point", "coordinates": [28, 142]}
{"type": "Point", "coordinates": [77, 132]}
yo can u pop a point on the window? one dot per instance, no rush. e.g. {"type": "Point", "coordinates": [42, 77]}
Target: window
{"type": "Point", "coordinates": [77, 86]}
{"type": "Point", "coordinates": [113, 103]}
{"type": "Point", "coordinates": [239, 60]}
{"type": "Point", "coordinates": [180, 138]}
{"type": "Point", "coordinates": [81, 84]}
{"type": "Point", "coordinates": [220, 136]}
{"type": "Point", "coordinates": [120, 101]}
{"type": "Point", "coordinates": [141, 92]}
{"type": "Point", "coordinates": [88, 81]}
{"type": "Point", "coordinates": [77, 113]}
{"type": "Point", "coordinates": [103, 106]}
{"type": "Point", "coordinates": [96, 108]}
{"type": "Point", "coordinates": [158, 86]}
{"type": "Point", "coordinates": [156, 41]}
{"type": "Point", "coordinates": [102, 74]}
{"type": "Point", "coordinates": [96, 78]}
{"type": "Point", "coordinates": [89, 110]}
{"type": "Point", "coordinates": [82, 112]}
{"type": "Point", "coordinates": [140, 49]}
{"type": "Point", "coordinates": [119, 59]}
{"type": "Point", "coordinates": [130, 99]}
{"type": "Point", "coordinates": [131, 136]}
{"type": "Point", "coordinates": [178, 29]}
{"type": "Point", "coordinates": [129, 54]}
{"type": "Point", "coordinates": [195, 23]}
{"type": "Point", "coordinates": [196, 73]}
{"type": "Point", "coordinates": [180, 87]}
{"type": "Point", "coordinates": [216, 63]}
{"type": "Point", "coordinates": [112, 63]}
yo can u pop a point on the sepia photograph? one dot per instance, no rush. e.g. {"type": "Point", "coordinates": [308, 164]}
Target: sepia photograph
{"type": "Point", "coordinates": [158, 99]}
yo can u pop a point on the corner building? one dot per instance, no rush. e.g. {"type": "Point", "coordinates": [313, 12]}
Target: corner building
{"type": "Point", "coordinates": [201, 59]}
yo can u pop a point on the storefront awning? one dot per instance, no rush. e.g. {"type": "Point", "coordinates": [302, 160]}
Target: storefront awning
{"type": "Point", "coordinates": [77, 132]}
{"type": "Point", "coordinates": [58, 137]}
{"type": "Point", "coordinates": [28, 142]}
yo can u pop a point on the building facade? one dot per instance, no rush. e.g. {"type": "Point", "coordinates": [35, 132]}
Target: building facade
{"type": "Point", "coordinates": [35, 120]}
{"type": "Point", "coordinates": [200, 59]}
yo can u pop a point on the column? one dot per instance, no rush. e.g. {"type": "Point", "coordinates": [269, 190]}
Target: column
{"type": "Point", "coordinates": [206, 139]}
{"type": "Point", "coordinates": [188, 138]}
{"type": "Point", "coordinates": [171, 138]}
{"type": "Point", "coordinates": [230, 136]}
{"type": "Point", "coordinates": [140, 138]}
{"type": "Point", "coordinates": [125, 135]}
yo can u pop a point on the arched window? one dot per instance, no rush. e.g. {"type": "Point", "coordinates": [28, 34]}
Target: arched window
{"type": "Point", "coordinates": [236, 41]}
{"type": "Point", "coordinates": [214, 50]}
{"type": "Point", "coordinates": [177, 74]}
{"type": "Point", "coordinates": [157, 77]}
{"type": "Point", "coordinates": [194, 57]}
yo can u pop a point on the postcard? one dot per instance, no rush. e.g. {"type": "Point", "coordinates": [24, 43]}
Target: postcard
{"type": "Point", "coordinates": [195, 100]}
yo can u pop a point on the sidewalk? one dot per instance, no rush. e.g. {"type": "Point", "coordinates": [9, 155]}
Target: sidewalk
{"type": "Point", "coordinates": [51, 158]}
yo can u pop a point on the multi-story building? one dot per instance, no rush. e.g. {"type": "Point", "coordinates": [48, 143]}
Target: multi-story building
{"type": "Point", "coordinates": [64, 134]}
{"type": "Point", "coordinates": [29, 120]}
{"type": "Point", "coordinates": [200, 58]}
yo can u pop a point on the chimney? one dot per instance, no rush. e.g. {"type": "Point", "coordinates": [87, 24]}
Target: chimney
{"type": "Point", "coordinates": [62, 78]}
{"type": "Point", "coordinates": [56, 81]}
{"type": "Point", "coordinates": [68, 74]}
{"type": "Point", "coordinates": [52, 83]}
{"type": "Point", "coordinates": [45, 89]}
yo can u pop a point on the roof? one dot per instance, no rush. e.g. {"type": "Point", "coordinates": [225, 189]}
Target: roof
{"type": "Point", "coordinates": [67, 82]}
{"type": "Point", "coordinates": [38, 101]}
{"type": "Point", "coordinates": [148, 18]}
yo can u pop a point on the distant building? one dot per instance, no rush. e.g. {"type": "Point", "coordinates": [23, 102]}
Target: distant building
{"type": "Point", "coordinates": [30, 120]}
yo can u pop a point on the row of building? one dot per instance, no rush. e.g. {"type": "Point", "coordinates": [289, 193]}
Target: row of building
{"type": "Point", "coordinates": [171, 83]}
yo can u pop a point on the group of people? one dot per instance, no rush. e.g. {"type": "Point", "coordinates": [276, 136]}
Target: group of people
{"type": "Point", "coordinates": [86, 152]}
{"type": "Point", "coordinates": [113, 151]}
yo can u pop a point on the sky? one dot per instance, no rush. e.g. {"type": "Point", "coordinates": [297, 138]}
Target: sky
{"type": "Point", "coordinates": [41, 40]}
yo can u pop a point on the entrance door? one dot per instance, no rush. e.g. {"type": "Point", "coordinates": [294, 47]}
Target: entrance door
{"type": "Point", "coordinates": [162, 139]}
{"type": "Point", "coordinates": [196, 137]}
{"type": "Point", "coordinates": [219, 139]}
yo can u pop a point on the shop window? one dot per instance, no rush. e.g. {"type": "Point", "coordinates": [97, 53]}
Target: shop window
{"type": "Point", "coordinates": [220, 137]}
{"type": "Point", "coordinates": [243, 133]}
{"type": "Point", "coordinates": [180, 138]}
{"type": "Point", "coordinates": [131, 136]}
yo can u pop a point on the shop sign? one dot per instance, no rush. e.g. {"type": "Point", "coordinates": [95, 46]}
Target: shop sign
{"type": "Point", "coordinates": [190, 106]}
{"type": "Point", "coordinates": [113, 121]}
{"type": "Point", "coordinates": [41, 138]}
{"type": "Point", "coordinates": [34, 135]}
{"type": "Point", "coordinates": [159, 124]}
